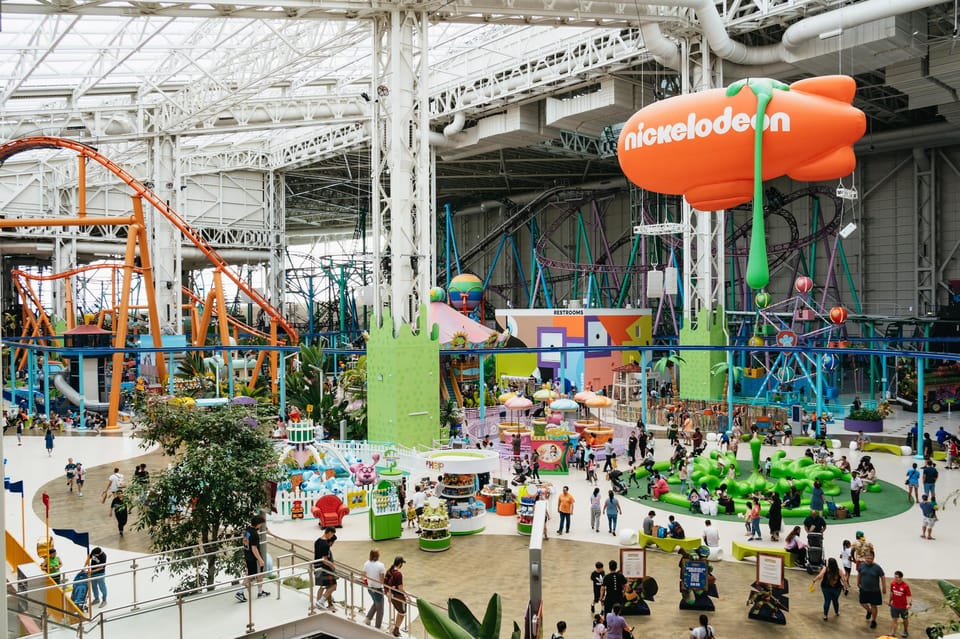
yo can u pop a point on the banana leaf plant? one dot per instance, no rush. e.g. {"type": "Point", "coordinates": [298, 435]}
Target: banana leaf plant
{"type": "Point", "coordinates": [460, 623]}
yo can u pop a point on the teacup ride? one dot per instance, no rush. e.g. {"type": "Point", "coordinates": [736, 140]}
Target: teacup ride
{"type": "Point", "coordinates": [509, 429]}
{"type": "Point", "coordinates": [600, 434]}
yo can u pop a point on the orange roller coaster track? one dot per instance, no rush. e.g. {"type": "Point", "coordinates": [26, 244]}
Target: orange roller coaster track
{"type": "Point", "coordinates": [137, 238]}
{"type": "Point", "coordinates": [139, 191]}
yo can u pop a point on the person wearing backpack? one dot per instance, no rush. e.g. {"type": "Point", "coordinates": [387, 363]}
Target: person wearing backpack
{"type": "Point", "coordinates": [561, 628]}
{"type": "Point", "coordinates": [704, 630]}
{"type": "Point", "coordinates": [832, 582]}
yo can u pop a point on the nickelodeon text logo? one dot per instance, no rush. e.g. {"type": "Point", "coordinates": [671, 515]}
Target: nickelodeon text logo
{"type": "Point", "coordinates": [701, 128]}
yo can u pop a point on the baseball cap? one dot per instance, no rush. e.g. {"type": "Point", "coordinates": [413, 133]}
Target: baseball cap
{"type": "Point", "coordinates": [859, 534]}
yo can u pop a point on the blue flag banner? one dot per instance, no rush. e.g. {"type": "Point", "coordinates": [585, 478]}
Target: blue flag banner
{"type": "Point", "coordinates": [15, 486]}
{"type": "Point", "coordinates": [79, 538]}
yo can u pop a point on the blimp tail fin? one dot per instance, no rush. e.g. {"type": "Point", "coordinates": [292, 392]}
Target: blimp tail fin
{"type": "Point", "coordinates": [715, 197]}
{"type": "Point", "coordinates": [836, 87]}
{"type": "Point", "coordinates": [838, 163]}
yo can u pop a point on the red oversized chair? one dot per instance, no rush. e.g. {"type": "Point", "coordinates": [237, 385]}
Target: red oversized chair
{"type": "Point", "coordinates": [329, 511]}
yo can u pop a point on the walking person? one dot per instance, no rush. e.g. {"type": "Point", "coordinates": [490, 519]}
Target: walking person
{"type": "Point", "coordinates": [97, 564]}
{"type": "Point", "coordinates": [856, 487]}
{"type": "Point", "coordinates": [872, 585]}
{"type": "Point", "coordinates": [565, 503]}
{"type": "Point", "coordinates": [930, 475]}
{"type": "Point", "coordinates": [775, 516]}
{"type": "Point", "coordinates": [252, 558]}
{"type": "Point", "coordinates": [613, 510]}
{"type": "Point", "coordinates": [632, 443]}
{"type": "Point", "coordinates": [375, 571]}
{"type": "Point", "coordinates": [754, 518]}
{"type": "Point", "coordinates": [612, 592]}
{"type": "Point", "coordinates": [71, 472]}
{"type": "Point", "coordinates": [323, 568]}
{"type": "Point", "coordinates": [118, 509]}
{"type": "Point", "coordinates": [599, 629]}
{"type": "Point", "coordinates": [596, 506]}
{"type": "Point", "coordinates": [19, 432]}
{"type": "Point", "coordinates": [929, 510]}
{"type": "Point", "coordinates": [913, 484]}
{"type": "Point", "coordinates": [81, 476]}
{"type": "Point", "coordinates": [592, 469]}
{"type": "Point", "coordinates": [616, 624]}
{"type": "Point", "coordinates": [48, 441]}
{"type": "Point", "coordinates": [608, 456]}
{"type": "Point", "coordinates": [114, 483]}
{"type": "Point", "coordinates": [393, 582]}
{"type": "Point", "coordinates": [704, 630]}
{"type": "Point", "coordinates": [561, 628]}
{"type": "Point", "coordinates": [901, 600]}
{"type": "Point", "coordinates": [535, 465]}
{"type": "Point", "coordinates": [596, 580]}
{"type": "Point", "coordinates": [832, 583]}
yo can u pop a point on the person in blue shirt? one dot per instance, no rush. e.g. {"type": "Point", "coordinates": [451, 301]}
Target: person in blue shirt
{"type": "Point", "coordinates": [929, 510]}
{"type": "Point", "coordinates": [913, 484]}
{"type": "Point", "coordinates": [941, 436]}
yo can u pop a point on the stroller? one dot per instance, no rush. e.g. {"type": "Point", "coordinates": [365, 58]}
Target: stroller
{"type": "Point", "coordinates": [79, 593]}
{"type": "Point", "coordinates": [616, 483]}
{"type": "Point", "coordinates": [520, 474]}
{"type": "Point", "coordinates": [815, 558]}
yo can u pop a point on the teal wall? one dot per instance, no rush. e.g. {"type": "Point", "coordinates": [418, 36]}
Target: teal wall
{"type": "Point", "coordinates": [403, 383]}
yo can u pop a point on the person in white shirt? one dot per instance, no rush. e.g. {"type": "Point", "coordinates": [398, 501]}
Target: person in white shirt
{"type": "Point", "coordinates": [419, 501]}
{"type": "Point", "coordinates": [711, 535]}
{"type": "Point", "coordinates": [703, 631]}
{"type": "Point", "coordinates": [114, 483]}
{"type": "Point", "coordinates": [374, 570]}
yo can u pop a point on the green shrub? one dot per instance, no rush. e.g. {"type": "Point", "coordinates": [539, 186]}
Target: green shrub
{"type": "Point", "coordinates": [866, 415]}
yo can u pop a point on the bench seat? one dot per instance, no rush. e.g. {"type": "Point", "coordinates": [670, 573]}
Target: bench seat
{"type": "Point", "coordinates": [741, 551]}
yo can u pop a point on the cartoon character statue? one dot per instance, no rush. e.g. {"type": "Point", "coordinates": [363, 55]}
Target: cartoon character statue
{"type": "Point", "coordinates": [296, 511]}
{"type": "Point", "coordinates": [365, 474]}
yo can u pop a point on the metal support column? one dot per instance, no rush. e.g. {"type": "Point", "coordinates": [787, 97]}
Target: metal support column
{"type": "Point", "coordinates": [164, 237]}
{"type": "Point", "coordinates": [276, 214]}
{"type": "Point", "coordinates": [400, 155]}
{"type": "Point", "coordinates": [925, 239]}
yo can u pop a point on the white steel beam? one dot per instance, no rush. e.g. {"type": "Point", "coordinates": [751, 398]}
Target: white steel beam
{"type": "Point", "coordinates": [51, 31]}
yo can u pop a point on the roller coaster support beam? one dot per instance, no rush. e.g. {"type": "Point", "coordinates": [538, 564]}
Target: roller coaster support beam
{"type": "Point", "coordinates": [450, 243]}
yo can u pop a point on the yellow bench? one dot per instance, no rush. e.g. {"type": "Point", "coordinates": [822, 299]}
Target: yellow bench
{"type": "Point", "coordinates": [883, 448]}
{"type": "Point", "coordinates": [741, 551]}
{"type": "Point", "coordinates": [669, 544]}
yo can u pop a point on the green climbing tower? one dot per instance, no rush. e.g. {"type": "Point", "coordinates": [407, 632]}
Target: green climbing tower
{"type": "Point", "coordinates": [696, 378]}
{"type": "Point", "coordinates": [403, 383]}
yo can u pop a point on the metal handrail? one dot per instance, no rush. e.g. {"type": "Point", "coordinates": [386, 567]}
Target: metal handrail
{"type": "Point", "coordinates": [134, 566]}
{"type": "Point", "coordinates": [355, 593]}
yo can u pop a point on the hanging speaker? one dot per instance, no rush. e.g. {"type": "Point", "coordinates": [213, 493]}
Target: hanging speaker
{"type": "Point", "coordinates": [654, 284]}
{"type": "Point", "coordinates": [670, 280]}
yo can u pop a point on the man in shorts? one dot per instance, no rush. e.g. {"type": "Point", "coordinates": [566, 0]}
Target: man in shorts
{"type": "Point", "coordinates": [930, 476]}
{"type": "Point", "coordinates": [872, 585]}
{"type": "Point", "coordinates": [929, 510]}
{"type": "Point", "coordinates": [323, 567]}
{"type": "Point", "coordinates": [900, 602]}
{"type": "Point", "coordinates": [253, 558]}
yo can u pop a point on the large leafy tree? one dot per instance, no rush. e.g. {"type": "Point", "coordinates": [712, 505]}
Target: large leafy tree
{"type": "Point", "coordinates": [218, 481]}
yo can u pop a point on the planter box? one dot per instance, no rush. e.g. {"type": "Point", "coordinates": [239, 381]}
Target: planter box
{"type": "Point", "coordinates": [854, 425]}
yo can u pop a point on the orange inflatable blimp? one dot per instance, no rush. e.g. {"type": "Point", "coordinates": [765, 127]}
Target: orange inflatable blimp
{"type": "Point", "coordinates": [701, 145]}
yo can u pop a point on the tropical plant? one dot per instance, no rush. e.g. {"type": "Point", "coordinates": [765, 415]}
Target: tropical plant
{"type": "Point", "coordinates": [951, 596]}
{"type": "Point", "coordinates": [728, 373]}
{"type": "Point", "coordinates": [461, 623]}
{"type": "Point", "coordinates": [209, 494]}
{"type": "Point", "coordinates": [671, 361]}
{"type": "Point", "coordinates": [193, 368]}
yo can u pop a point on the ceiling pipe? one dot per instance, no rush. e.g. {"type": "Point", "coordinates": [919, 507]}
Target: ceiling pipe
{"type": "Point", "coordinates": [456, 126]}
{"type": "Point", "coordinates": [667, 53]}
{"type": "Point", "coordinates": [923, 137]}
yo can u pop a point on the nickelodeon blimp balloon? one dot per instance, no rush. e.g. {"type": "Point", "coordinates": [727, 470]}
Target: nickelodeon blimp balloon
{"type": "Point", "coordinates": [716, 147]}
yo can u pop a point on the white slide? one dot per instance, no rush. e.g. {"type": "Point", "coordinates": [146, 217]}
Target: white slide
{"type": "Point", "coordinates": [68, 391]}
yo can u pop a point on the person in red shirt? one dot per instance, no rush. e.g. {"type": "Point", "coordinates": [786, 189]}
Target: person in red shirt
{"type": "Point", "coordinates": [900, 601]}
